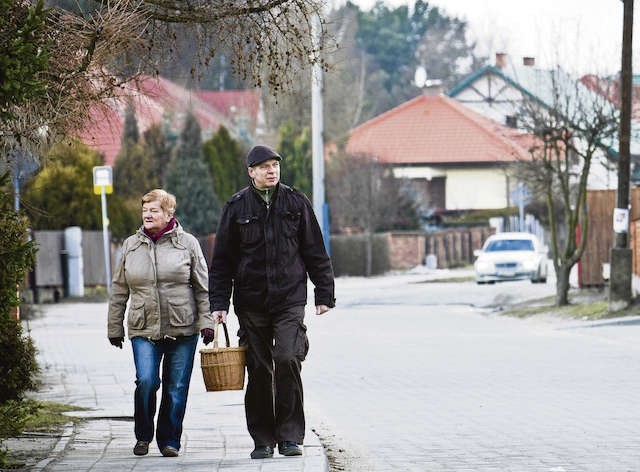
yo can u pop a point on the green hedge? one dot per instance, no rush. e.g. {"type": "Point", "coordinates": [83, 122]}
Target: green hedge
{"type": "Point", "coordinates": [348, 254]}
{"type": "Point", "coordinates": [18, 367]}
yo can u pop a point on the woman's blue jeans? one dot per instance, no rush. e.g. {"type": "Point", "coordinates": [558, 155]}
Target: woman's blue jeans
{"type": "Point", "coordinates": [176, 374]}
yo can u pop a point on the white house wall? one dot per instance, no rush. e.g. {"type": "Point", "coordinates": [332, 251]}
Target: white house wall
{"type": "Point", "coordinates": [465, 189]}
{"type": "Point", "coordinates": [475, 189]}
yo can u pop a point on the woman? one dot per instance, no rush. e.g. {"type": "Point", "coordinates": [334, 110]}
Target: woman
{"type": "Point", "coordinates": [163, 272]}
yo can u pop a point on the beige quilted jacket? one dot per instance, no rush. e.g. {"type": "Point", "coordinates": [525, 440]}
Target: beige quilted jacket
{"type": "Point", "coordinates": [166, 285]}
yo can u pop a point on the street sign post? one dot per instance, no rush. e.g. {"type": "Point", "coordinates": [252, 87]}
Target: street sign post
{"type": "Point", "coordinates": [103, 184]}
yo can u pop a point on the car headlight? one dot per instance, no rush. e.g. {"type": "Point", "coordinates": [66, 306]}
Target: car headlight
{"type": "Point", "coordinates": [485, 267]}
{"type": "Point", "coordinates": [530, 264]}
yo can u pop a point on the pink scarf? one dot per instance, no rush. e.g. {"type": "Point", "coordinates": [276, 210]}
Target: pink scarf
{"type": "Point", "coordinates": [154, 237]}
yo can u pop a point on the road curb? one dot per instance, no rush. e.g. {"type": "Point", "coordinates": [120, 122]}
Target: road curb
{"type": "Point", "coordinates": [621, 321]}
{"type": "Point", "coordinates": [58, 449]}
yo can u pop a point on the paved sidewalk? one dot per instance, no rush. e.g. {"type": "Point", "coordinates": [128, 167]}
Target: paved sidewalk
{"type": "Point", "coordinates": [81, 368]}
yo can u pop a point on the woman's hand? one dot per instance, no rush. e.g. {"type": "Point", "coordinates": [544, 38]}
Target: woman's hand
{"type": "Point", "coordinates": [207, 335]}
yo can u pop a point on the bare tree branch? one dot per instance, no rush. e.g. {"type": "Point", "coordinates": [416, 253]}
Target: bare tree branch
{"type": "Point", "coordinates": [572, 132]}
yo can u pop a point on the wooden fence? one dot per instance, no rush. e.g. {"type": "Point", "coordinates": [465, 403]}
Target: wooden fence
{"type": "Point", "coordinates": [50, 269]}
{"type": "Point", "coordinates": [454, 247]}
{"type": "Point", "coordinates": [600, 235]}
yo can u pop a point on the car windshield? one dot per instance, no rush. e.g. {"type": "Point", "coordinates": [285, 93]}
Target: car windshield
{"type": "Point", "coordinates": [509, 245]}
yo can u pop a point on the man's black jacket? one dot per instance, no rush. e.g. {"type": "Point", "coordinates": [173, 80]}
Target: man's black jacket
{"type": "Point", "coordinates": [264, 254]}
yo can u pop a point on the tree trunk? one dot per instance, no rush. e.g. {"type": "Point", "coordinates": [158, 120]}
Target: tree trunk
{"type": "Point", "coordinates": [562, 285]}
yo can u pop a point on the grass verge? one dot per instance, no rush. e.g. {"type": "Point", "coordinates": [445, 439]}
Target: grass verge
{"type": "Point", "coordinates": [584, 311]}
{"type": "Point", "coordinates": [35, 433]}
{"type": "Point", "coordinates": [584, 304]}
{"type": "Point", "coordinates": [443, 280]}
{"type": "Point", "coordinates": [49, 416]}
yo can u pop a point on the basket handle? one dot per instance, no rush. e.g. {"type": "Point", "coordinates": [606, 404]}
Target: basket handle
{"type": "Point", "coordinates": [215, 335]}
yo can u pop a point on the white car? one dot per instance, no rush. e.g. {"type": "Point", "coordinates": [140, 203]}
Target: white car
{"type": "Point", "coordinates": [511, 256]}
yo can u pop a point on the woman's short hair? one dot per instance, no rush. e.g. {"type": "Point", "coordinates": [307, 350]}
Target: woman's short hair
{"type": "Point", "coordinates": [167, 200]}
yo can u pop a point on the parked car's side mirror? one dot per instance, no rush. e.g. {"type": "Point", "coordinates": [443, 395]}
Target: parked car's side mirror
{"type": "Point", "coordinates": [477, 252]}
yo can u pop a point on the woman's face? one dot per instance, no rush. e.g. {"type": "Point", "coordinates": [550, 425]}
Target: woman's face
{"type": "Point", "coordinates": [154, 218]}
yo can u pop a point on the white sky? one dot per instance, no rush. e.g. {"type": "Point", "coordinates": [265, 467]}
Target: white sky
{"type": "Point", "coordinates": [584, 36]}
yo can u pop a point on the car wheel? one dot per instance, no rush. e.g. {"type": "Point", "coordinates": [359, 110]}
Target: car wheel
{"type": "Point", "coordinates": [538, 278]}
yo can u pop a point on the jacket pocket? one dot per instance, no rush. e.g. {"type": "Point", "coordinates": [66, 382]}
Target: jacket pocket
{"type": "Point", "coordinates": [248, 229]}
{"type": "Point", "coordinates": [290, 223]}
{"type": "Point", "coordinates": [137, 318]}
{"type": "Point", "coordinates": [180, 314]}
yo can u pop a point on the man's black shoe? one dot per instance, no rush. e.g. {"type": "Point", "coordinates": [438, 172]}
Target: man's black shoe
{"type": "Point", "coordinates": [141, 448]}
{"type": "Point", "coordinates": [289, 448]}
{"type": "Point", "coordinates": [262, 452]}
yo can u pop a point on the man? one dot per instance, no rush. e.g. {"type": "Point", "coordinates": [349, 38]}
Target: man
{"type": "Point", "coordinates": [267, 241]}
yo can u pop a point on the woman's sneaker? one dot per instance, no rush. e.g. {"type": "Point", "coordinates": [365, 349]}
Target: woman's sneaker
{"type": "Point", "coordinates": [169, 451]}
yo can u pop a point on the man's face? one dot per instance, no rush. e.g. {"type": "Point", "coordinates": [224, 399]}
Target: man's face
{"type": "Point", "coordinates": [266, 174]}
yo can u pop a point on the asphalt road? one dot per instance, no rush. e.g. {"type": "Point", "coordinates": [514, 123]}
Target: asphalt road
{"type": "Point", "coordinates": [410, 376]}
{"type": "Point", "coordinates": [421, 287]}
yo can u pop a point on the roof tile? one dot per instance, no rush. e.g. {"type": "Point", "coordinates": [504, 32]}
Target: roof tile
{"type": "Point", "coordinates": [435, 129]}
{"type": "Point", "coordinates": [155, 99]}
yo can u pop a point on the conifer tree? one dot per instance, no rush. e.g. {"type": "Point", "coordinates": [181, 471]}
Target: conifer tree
{"type": "Point", "coordinates": [225, 157]}
{"type": "Point", "coordinates": [158, 148]}
{"type": "Point", "coordinates": [189, 179]}
{"type": "Point", "coordinates": [295, 149]}
{"type": "Point", "coordinates": [61, 194]}
{"type": "Point", "coordinates": [134, 170]}
{"type": "Point", "coordinates": [130, 134]}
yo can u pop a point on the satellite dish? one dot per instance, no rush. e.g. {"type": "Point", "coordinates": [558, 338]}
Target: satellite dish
{"type": "Point", "coordinates": [420, 76]}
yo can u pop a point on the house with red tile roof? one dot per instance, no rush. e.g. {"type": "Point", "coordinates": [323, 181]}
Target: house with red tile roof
{"type": "Point", "coordinates": [242, 107]}
{"type": "Point", "coordinates": [609, 87]}
{"type": "Point", "coordinates": [157, 100]}
{"type": "Point", "coordinates": [456, 158]}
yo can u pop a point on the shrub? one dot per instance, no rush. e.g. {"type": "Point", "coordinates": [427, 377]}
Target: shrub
{"type": "Point", "coordinates": [348, 254]}
{"type": "Point", "coordinates": [18, 365]}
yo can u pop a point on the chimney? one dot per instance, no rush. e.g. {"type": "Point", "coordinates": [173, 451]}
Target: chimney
{"type": "Point", "coordinates": [528, 61]}
{"type": "Point", "coordinates": [501, 60]}
{"type": "Point", "coordinates": [432, 87]}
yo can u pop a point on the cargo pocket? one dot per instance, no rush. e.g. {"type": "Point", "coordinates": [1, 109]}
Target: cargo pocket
{"type": "Point", "coordinates": [137, 318]}
{"type": "Point", "coordinates": [180, 315]}
{"type": "Point", "coordinates": [302, 342]}
{"type": "Point", "coordinates": [290, 223]}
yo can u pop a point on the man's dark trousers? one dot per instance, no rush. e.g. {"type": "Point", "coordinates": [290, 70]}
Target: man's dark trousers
{"type": "Point", "coordinates": [276, 346]}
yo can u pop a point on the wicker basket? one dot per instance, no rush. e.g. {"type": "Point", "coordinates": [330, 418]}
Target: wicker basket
{"type": "Point", "coordinates": [222, 367]}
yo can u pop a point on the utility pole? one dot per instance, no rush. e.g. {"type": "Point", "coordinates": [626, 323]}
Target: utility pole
{"type": "Point", "coordinates": [620, 279]}
{"type": "Point", "coordinates": [317, 132]}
